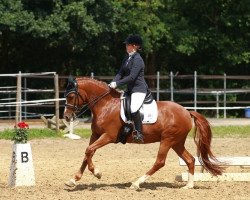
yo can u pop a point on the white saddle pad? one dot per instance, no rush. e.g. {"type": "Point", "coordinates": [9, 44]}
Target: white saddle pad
{"type": "Point", "coordinates": [149, 111]}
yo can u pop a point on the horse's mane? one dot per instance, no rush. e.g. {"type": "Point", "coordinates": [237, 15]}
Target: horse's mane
{"type": "Point", "coordinates": [94, 81]}
{"type": "Point", "coordinates": [98, 83]}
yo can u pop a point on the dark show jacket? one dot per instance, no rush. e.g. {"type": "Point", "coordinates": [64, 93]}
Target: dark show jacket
{"type": "Point", "coordinates": [131, 74]}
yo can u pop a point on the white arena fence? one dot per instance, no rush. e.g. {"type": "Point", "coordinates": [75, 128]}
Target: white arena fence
{"type": "Point", "coordinates": [14, 101]}
{"type": "Point", "coordinates": [230, 94]}
{"type": "Point", "coordinates": [25, 101]}
{"type": "Point", "coordinates": [28, 103]}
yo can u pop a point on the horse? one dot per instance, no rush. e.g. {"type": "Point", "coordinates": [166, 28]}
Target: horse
{"type": "Point", "coordinates": [173, 124]}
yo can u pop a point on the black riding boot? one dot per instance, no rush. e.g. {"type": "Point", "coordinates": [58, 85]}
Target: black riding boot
{"type": "Point", "coordinates": [137, 136]}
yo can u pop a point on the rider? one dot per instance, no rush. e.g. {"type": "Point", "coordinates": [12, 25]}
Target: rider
{"type": "Point", "coordinates": [131, 74]}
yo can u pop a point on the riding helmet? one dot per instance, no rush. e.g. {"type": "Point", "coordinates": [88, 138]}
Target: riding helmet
{"type": "Point", "coordinates": [134, 39]}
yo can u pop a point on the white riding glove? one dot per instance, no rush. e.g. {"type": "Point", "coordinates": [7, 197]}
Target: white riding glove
{"type": "Point", "coordinates": [112, 85]}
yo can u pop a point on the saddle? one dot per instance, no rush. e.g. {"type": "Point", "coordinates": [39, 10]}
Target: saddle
{"type": "Point", "coordinates": [126, 101]}
{"type": "Point", "coordinates": [148, 112]}
{"type": "Point", "coordinates": [148, 109]}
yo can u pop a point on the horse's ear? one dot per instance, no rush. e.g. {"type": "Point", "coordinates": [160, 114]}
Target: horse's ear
{"type": "Point", "coordinates": [71, 82]}
{"type": "Point", "coordinates": [72, 85]}
{"type": "Point", "coordinates": [71, 79]}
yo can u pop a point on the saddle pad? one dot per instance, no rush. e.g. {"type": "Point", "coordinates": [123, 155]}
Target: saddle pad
{"type": "Point", "coordinates": [149, 111]}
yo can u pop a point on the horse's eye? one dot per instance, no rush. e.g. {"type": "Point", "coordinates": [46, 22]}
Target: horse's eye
{"type": "Point", "coordinates": [70, 97]}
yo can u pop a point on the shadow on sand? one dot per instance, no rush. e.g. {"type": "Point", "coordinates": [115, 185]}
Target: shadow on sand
{"type": "Point", "coordinates": [144, 186]}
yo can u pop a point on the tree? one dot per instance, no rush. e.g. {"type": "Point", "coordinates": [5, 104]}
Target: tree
{"type": "Point", "coordinates": [81, 36]}
{"type": "Point", "coordinates": [217, 32]}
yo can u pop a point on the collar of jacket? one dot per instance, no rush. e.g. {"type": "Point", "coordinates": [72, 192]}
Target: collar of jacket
{"type": "Point", "coordinates": [133, 55]}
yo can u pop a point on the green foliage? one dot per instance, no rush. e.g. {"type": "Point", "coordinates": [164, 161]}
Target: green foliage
{"type": "Point", "coordinates": [81, 36]}
{"type": "Point", "coordinates": [21, 133]}
{"type": "Point", "coordinates": [20, 136]}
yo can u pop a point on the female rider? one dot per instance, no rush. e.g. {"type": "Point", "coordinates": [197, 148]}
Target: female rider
{"type": "Point", "coordinates": [131, 74]}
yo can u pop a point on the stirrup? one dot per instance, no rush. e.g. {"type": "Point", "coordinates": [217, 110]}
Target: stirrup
{"type": "Point", "coordinates": [137, 137]}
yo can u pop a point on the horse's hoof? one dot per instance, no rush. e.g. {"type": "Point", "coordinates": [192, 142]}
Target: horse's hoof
{"type": "Point", "coordinates": [135, 187]}
{"type": "Point", "coordinates": [187, 187]}
{"type": "Point", "coordinates": [71, 183]}
{"type": "Point", "coordinates": [97, 174]}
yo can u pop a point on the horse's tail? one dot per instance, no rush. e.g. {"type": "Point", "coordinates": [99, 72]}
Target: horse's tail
{"type": "Point", "coordinates": [202, 138]}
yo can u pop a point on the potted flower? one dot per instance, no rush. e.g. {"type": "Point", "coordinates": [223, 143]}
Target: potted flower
{"type": "Point", "coordinates": [21, 169]}
{"type": "Point", "coordinates": [21, 133]}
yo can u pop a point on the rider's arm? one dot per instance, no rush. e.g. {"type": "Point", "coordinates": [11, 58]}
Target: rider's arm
{"type": "Point", "coordinates": [138, 66]}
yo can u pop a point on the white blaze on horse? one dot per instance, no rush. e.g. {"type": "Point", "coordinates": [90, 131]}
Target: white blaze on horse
{"type": "Point", "coordinates": [171, 128]}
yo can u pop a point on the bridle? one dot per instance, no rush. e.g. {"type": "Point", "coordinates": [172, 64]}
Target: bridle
{"type": "Point", "coordinates": [79, 110]}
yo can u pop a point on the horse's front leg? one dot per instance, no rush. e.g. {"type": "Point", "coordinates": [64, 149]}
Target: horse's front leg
{"type": "Point", "coordinates": [103, 140]}
{"type": "Point", "coordinates": [78, 175]}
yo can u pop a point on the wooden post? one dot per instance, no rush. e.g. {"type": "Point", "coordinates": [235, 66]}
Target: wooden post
{"type": "Point", "coordinates": [18, 98]}
{"type": "Point", "coordinates": [57, 101]}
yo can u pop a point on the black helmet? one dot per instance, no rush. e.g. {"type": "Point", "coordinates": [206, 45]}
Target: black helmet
{"type": "Point", "coordinates": [134, 39]}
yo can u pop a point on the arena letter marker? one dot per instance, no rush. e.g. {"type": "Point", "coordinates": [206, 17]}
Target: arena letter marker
{"type": "Point", "coordinates": [21, 169]}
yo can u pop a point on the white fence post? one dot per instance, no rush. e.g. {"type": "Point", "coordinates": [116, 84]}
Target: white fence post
{"type": "Point", "coordinates": [195, 90]}
{"type": "Point", "coordinates": [57, 101]}
{"type": "Point", "coordinates": [25, 98]}
{"type": "Point", "coordinates": [19, 98]}
{"type": "Point", "coordinates": [172, 86]}
{"type": "Point", "coordinates": [225, 96]}
{"type": "Point", "coordinates": [158, 86]}
{"type": "Point", "coordinates": [217, 104]}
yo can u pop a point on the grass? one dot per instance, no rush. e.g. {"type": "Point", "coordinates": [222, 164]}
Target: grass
{"type": "Point", "coordinates": [228, 132]}
{"type": "Point", "coordinates": [231, 131]}
{"type": "Point", "coordinates": [218, 132]}
{"type": "Point", "coordinates": [84, 133]}
{"type": "Point", "coordinates": [43, 133]}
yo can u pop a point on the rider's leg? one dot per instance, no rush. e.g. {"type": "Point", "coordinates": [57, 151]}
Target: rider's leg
{"type": "Point", "coordinates": [136, 102]}
{"type": "Point", "coordinates": [137, 135]}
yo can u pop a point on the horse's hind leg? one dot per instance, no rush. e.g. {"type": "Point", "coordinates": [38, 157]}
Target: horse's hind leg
{"type": "Point", "coordinates": [190, 162]}
{"type": "Point", "coordinates": [159, 163]}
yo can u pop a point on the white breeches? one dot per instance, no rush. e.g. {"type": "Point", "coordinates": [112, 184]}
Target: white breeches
{"type": "Point", "coordinates": [137, 99]}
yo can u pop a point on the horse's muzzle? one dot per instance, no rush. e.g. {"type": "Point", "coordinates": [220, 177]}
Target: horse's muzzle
{"type": "Point", "coordinates": [68, 116]}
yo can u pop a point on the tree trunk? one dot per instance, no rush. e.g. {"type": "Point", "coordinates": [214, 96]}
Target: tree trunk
{"type": "Point", "coordinates": [4, 52]}
{"type": "Point", "coordinates": [150, 68]}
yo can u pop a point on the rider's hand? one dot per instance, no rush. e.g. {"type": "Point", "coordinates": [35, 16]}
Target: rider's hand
{"type": "Point", "coordinates": [112, 85]}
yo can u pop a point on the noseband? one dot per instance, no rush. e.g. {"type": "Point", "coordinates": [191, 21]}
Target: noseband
{"type": "Point", "coordinates": [79, 110]}
{"type": "Point", "coordinates": [75, 107]}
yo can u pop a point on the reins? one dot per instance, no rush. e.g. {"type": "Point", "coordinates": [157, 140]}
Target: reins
{"type": "Point", "coordinates": [92, 103]}
{"type": "Point", "coordinates": [87, 106]}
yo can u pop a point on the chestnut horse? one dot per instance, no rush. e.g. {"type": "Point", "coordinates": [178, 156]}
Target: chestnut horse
{"type": "Point", "coordinates": [171, 129]}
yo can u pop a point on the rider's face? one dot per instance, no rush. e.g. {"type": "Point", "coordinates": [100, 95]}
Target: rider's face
{"type": "Point", "coordinates": [130, 48]}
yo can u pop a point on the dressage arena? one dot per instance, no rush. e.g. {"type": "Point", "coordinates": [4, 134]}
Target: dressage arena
{"type": "Point", "coordinates": [56, 161]}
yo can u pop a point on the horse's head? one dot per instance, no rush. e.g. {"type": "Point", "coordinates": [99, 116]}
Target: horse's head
{"type": "Point", "coordinates": [74, 100]}
{"type": "Point", "coordinates": [85, 90]}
